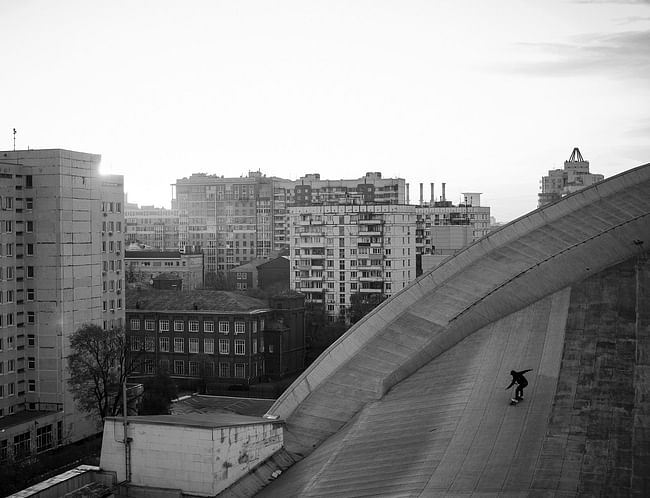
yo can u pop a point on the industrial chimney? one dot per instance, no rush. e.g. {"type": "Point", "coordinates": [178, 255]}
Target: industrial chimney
{"type": "Point", "coordinates": [421, 193]}
{"type": "Point", "coordinates": [433, 197]}
{"type": "Point", "coordinates": [443, 192]}
{"type": "Point", "coordinates": [407, 194]}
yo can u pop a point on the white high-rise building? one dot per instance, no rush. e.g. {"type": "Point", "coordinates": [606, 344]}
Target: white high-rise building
{"type": "Point", "coordinates": [340, 250]}
{"type": "Point", "coordinates": [61, 266]}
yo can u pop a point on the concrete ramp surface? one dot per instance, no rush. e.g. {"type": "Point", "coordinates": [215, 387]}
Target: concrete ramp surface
{"type": "Point", "coordinates": [449, 430]}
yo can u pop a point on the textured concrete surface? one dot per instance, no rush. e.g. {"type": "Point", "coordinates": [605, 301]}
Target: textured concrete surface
{"type": "Point", "coordinates": [448, 429]}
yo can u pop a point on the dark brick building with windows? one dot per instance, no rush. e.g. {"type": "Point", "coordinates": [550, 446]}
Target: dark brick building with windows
{"type": "Point", "coordinates": [213, 338]}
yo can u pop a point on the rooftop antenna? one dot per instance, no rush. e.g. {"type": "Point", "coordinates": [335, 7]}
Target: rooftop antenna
{"type": "Point", "coordinates": [14, 139]}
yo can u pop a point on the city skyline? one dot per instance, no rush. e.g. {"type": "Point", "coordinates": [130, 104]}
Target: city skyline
{"type": "Point", "coordinates": [484, 97]}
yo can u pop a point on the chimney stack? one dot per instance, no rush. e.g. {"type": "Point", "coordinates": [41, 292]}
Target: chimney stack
{"type": "Point", "coordinates": [443, 192]}
{"type": "Point", "coordinates": [433, 197]}
{"type": "Point", "coordinates": [407, 194]}
{"type": "Point", "coordinates": [421, 193]}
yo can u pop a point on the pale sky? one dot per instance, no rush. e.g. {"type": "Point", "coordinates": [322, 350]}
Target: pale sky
{"type": "Point", "coordinates": [486, 96]}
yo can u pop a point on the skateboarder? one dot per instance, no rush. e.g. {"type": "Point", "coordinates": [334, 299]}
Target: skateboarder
{"type": "Point", "coordinates": [519, 379]}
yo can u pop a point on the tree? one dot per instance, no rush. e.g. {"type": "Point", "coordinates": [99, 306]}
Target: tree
{"type": "Point", "coordinates": [361, 304]}
{"type": "Point", "coordinates": [100, 362]}
{"type": "Point", "coordinates": [320, 332]}
{"type": "Point", "coordinates": [218, 281]}
{"type": "Point", "coordinates": [159, 391]}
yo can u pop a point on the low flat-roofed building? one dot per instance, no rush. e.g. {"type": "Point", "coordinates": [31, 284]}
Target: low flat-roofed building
{"type": "Point", "coordinates": [144, 265]}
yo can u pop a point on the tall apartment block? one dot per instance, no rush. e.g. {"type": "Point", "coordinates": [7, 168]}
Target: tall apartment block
{"type": "Point", "coordinates": [443, 228]}
{"type": "Point", "coordinates": [560, 182]}
{"type": "Point", "coordinates": [61, 235]}
{"type": "Point", "coordinates": [235, 220]}
{"type": "Point", "coordinates": [339, 250]}
{"type": "Point", "coordinates": [157, 228]}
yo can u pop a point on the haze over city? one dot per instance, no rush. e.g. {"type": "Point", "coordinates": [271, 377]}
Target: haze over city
{"type": "Point", "coordinates": [485, 96]}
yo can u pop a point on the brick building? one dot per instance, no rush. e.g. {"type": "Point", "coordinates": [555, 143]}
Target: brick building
{"type": "Point", "coordinates": [212, 338]}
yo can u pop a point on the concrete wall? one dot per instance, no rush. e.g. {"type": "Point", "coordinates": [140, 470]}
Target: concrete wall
{"type": "Point", "coordinates": [194, 458]}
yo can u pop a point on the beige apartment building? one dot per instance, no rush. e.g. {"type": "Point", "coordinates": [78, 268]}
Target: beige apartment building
{"type": "Point", "coordinates": [340, 250]}
{"type": "Point", "coordinates": [61, 233]}
{"type": "Point", "coordinates": [236, 220]}
{"type": "Point", "coordinates": [154, 227]}
{"type": "Point", "coordinates": [573, 177]}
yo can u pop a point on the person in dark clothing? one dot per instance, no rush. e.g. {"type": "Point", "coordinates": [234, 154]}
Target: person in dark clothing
{"type": "Point", "coordinates": [519, 379]}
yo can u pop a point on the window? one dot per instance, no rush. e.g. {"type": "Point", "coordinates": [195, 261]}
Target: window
{"type": "Point", "coordinates": [208, 346]}
{"type": "Point", "coordinates": [135, 324]}
{"type": "Point", "coordinates": [193, 345]}
{"type": "Point", "coordinates": [148, 367]}
{"type": "Point", "coordinates": [31, 385]}
{"type": "Point", "coordinates": [224, 369]}
{"type": "Point", "coordinates": [31, 340]}
{"type": "Point", "coordinates": [179, 345]}
{"type": "Point", "coordinates": [270, 348]}
{"type": "Point", "coordinates": [29, 226]}
{"type": "Point", "coordinates": [224, 346]}
{"type": "Point", "coordinates": [193, 326]}
{"type": "Point", "coordinates": [208, 326]}
{"type": "Point", "coordinates": [163, 325]}
{"type": "Point", "coordinates": [150, 344]}
{"type": "Point", "coordinates": [30, 294]}
{"type": "Point", "coordinates": [179, 325]}
{"type": "Point", "coordinates": [31, 363]}
{"type": "Point", "coordinates": [240, 346]}
{"type": "Point", "coordinates": [254, 347]}
{"type": "Point", "coordinates": [30, 272]}
{"type": "Point", "coordinates": [150, 325]}
{"type": "Point", "coordinates": [136, 343]}
{"type": "Point", "coordinates": [163, 344]}
{"type": "Point", "coordinates": [179, 367]}
{"type": "Point", "coordinates": [240, 370]}
{"type": "Point", "coordinates": [240, 327]}
{"type": "Point", "coordinates": [22, 445]}
{"type": "Point", "coordinates": [224, 327]}
{"type": "Point", "coordinates": [193, 368]}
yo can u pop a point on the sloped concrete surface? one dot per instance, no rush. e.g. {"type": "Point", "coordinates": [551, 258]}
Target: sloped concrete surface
{"type": "Point", "coordinates": [448, 429]}
{"type": "Point", "coordinates": [449, 426]}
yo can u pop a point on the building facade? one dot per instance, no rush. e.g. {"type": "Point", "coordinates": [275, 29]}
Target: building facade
{"type": "Point", "coordinates": [143, 266]}
{"type": "Point", "coordinates": [154, 227]}
{"type": "Point", "coordinates": [208, 338]}
{"type": "Point", "coordinates": [339, 250]}
{"type": "Point", "coordinates": [236, 220]}
{"type": "Point", "coordinates": [560, 182]}
{"type": "Point", "coordinates": [60, 268]}
{"type": "Point", "coordinates": [443, 229]}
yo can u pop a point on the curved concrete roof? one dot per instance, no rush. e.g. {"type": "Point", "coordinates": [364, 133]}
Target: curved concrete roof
{"type": "Point", "coordinates": [514, 267]}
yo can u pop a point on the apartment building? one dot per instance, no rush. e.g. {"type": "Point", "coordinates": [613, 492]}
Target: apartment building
{"type": "Point", "coordinates": [443, 229]}
{"type": "Point", "coordinates": [560, 182]}
{"type": "Point", "coordinates": [158, 228]}
{"type": "Point", "coordinates": [236, 220]}
{"type": "Point", "coordinates": [61, 227]}
{"type": "Point", "coordinates": [340, 250]}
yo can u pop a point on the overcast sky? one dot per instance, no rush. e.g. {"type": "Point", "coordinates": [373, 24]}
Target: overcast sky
{"type": "Point", "coordinates": [486, 96]}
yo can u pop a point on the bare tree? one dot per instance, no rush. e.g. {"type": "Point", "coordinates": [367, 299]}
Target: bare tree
{"type": "Point", "coordinates": [100, 362]}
